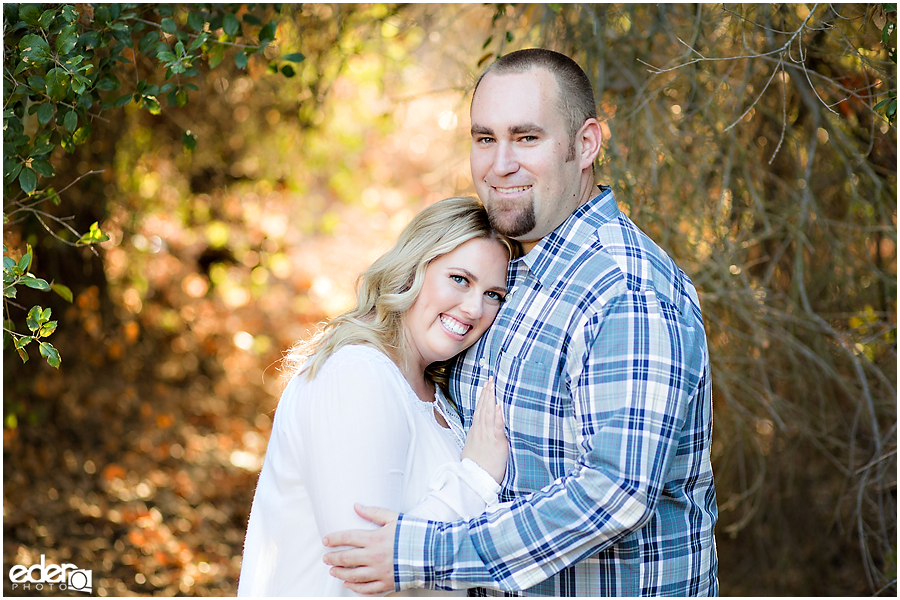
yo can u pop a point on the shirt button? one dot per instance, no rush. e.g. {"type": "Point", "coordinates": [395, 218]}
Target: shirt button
{"type": "Point", "coordinates": [483, 362]}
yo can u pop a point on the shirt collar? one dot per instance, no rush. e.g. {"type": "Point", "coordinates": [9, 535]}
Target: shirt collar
{"type": "Point", "coordinates": [549, 258]}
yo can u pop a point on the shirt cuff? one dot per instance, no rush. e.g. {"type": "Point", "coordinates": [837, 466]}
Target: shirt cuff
{"type": "Point", "coordinates": [411, 556]}
{"type": "Point", "coordinates": [480, 481]}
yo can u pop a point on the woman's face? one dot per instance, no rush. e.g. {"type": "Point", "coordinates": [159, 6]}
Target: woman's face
{"type": "Point", "coordinates": [460, 297]}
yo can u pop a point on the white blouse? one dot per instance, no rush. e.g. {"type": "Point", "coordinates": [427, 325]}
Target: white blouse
{"type": "Point", "coordinates": [356, 433]}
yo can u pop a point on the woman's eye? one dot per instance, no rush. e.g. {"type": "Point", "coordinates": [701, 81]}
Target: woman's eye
{"type": "Point", "coordinates": [495, 296]}
{"type": "Point", "coordinates": [459, 279]}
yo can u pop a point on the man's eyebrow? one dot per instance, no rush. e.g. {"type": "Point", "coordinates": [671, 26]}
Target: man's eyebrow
{"type": "Point", "coordinates": [514, 130]}
{"type": "Point", "coordinates": [525, 128]}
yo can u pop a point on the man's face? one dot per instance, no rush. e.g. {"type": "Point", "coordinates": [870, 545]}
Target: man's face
{"type": "Point", "coordinates": [518, 156]}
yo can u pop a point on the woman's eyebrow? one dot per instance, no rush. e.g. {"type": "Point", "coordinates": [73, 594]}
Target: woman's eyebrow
{"type": "Point", "coordinates": [472, 277]}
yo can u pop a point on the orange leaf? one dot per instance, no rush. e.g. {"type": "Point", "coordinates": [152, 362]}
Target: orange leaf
{"type": "Point", "coordinates": [114, 471]}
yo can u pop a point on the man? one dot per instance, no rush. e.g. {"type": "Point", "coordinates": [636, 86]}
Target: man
{"type": "Point", "coordinates": [601, 364]}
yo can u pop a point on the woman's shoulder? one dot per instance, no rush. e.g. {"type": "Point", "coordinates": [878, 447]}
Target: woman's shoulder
{"type": "Point", "coordinates": [358, 356]}
{"type": "Point", "coordinates": [359, 365]}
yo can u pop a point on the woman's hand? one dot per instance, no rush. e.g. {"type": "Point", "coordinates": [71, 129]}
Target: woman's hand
{"type": "Point", "coordinates": [486, 441]}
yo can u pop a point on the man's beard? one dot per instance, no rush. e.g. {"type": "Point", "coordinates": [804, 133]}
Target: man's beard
{"type": "Point", "coordinates": [523, 222]}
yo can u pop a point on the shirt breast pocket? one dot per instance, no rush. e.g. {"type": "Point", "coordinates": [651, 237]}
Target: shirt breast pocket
{"type": "Point", "coordinates": [526, 379]}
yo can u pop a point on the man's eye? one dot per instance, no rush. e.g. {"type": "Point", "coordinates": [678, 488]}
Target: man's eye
{"type": "Point", "coordinates": [529, 138]}
{"type": "Point", "coordinates": [485, 140]}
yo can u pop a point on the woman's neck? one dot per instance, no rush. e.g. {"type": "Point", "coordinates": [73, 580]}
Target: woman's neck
{"type": "Point", "coordinates": [423, 388]}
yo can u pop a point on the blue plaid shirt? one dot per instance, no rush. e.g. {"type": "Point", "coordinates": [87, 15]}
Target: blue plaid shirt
{"type": "Point", "coordinates": [601, 363]}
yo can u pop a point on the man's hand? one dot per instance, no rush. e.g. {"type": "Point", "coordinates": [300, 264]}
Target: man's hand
{"type": "Point", "coordinates": [369, 567]}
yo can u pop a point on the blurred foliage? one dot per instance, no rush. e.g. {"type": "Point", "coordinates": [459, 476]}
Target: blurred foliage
{"type": "Point", "coordinates": [755, 143]}
{"type": "Point", "coordinates": [63, 68]}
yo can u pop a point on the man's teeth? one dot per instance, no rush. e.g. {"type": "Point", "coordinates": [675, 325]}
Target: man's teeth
{"type": "Point", "coordinates": [513, 190]}
{"type": "Point", "coordinates": [454, 325]}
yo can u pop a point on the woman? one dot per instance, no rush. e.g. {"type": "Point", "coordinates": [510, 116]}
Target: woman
{"type": "Point", "coordinates": [366, 418]}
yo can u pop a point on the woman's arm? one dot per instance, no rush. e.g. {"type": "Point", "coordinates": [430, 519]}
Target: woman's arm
{"type": "Point", "coordinates": [461, 490]}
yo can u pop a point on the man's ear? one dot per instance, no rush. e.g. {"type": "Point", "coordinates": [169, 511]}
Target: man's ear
{"type": "Point", "coordinates": [591, 138]}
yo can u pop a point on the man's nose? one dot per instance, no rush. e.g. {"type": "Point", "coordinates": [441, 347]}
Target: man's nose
{"type": "Point", "coordinates": [505, 160]}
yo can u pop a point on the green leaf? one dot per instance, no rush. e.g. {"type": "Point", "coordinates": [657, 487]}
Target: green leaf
{"type": "Point", "coordinates": [93, 236]}
{"type": "Point", "coordinates": [267, 33]}
{"type": "Point", "coordinates": [73, 62]}
{"type": "Point", "coordinates": [240, 59]}
{"type": "Point", "coordinates": [46, 18]}
{"type": "Point", "coordinates": [65, 41]}
{"type": "Point", "coordinates": [168, 25]}
{"type": "Point", "coordinates": [288, 71]}
{"type": "Point", "coordinates": [79, 82]}
{"type": "Point", "coordinates": [201, 39]}
{"type": "Point", "coordinates": [23, 341]}
{"type": "Point", "coordinates": [70, 121]}
{"type": "Point", "coordinates": [48, 329]}
{"type": "Point", "coordinates": [30, 13]}
{"type": "Point", "coordinates": [45, 113]}
{"type": "Point", "coordinates": [40, 148]}
{"type": "Point", "coordinates": [35, 49]}
{"type": "Point", "coordinates": [294, 57]}
{"type": "Point", "coordinates": [43, 168]}
{"type": "Point", "coordinates": [63, 291]}
{"type": "Point", "coordinates": [9, 292]}
{"type": "Point", "coordinates": [22, 354]}
{"type": "Point", "coordinates": [50, 353]}
{"type": "Point", "coordinates": [27, 180]}
{"type": "Point", "coordinates": [122, 100]}
{"type": "Point", "coordinates": [108, 83]}
{"type": "Point", "coordinates": [90, 39]}
{"type": "Point", "coordinates": [231, 25]}
{"type": "Point", "coordinates": [189, 141]}
{"type": "Point", "coordinates": [151, 104]}
{"type": "Point", "coordinates": [33, 319]}
{"type": "Point", "coordinates": [11, 170]}
{"type": "Point", "coordinates": [35, 283]}
{"type": "Point", "coordinates": [216, 55]}
{"type": "Point", "coordinates": [24, 262]}
{"type": "Point", "coordinates": [57, 84]}
{"type": "Point", "coordinates": [181, 98]}
{"type": "Point", "coordinates": [82, 134]}
{"type": "Point", "coordinates": [69, 13]}
{"type": "Point", "coordinates": [195, 21]}
{"type": "Point", "coordinates": [148, 42]}
{"type": "Point", "coordinates": [37, 83]}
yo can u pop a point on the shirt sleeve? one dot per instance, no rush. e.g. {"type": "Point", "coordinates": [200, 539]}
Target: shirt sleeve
{"type": "Point", "coordinates": [358, 430]}
{"type": "Point", "coordinates": [356, 437]}
{"type": "Point", "coordinates": [630, 394]}
{"type": "Point", "coordinates": [458, 490]}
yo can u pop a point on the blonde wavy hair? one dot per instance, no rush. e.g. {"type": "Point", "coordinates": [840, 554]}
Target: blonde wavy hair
{"type": "Point", "coordinates": [387, 289]}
